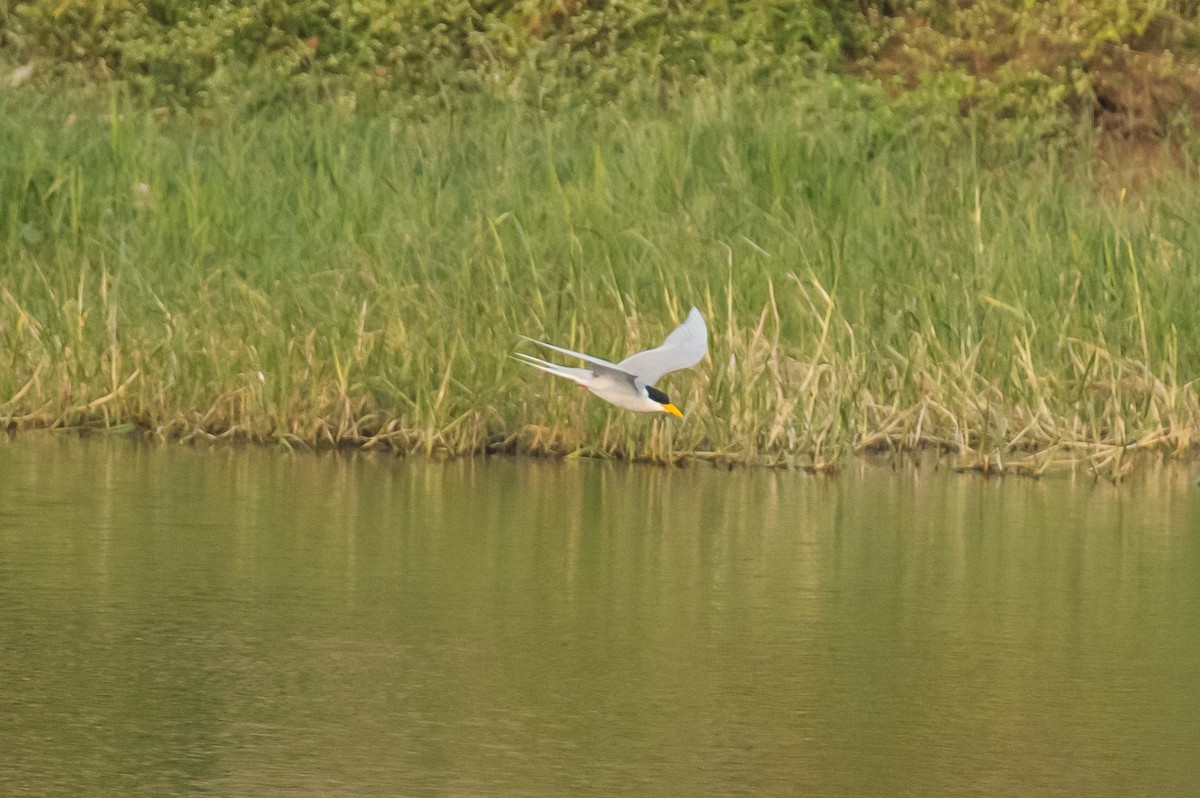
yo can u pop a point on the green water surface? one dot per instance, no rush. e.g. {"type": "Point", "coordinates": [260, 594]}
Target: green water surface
{"type": "Point", "coordinates": [243, 622]}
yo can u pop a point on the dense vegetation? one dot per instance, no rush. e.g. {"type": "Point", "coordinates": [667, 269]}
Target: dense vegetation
{"type": "Point", "coordinates": [909, 223]}
{"type": "Point", "coordinates": [1130, 63]}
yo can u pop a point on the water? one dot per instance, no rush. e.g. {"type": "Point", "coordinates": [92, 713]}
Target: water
{"type": "Point", "coordinates": [228, 622]}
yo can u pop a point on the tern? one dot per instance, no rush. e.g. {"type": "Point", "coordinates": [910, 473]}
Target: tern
{"type": "Point", "coordinates": [630, 383]}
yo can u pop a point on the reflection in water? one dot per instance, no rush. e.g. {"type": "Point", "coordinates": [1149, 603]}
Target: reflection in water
{"type": "Point", "coordinates": [228, 622]}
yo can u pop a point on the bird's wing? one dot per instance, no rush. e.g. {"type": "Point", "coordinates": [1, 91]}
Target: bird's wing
{"type": "Point", "coordinates": [685, 346]}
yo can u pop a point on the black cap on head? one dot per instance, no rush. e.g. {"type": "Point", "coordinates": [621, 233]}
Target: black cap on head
{"type": "Point", "coordinates": [657, 395]}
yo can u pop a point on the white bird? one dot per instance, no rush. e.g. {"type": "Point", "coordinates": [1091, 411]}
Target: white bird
{"type": "Point", "coordinates": [630, 383]}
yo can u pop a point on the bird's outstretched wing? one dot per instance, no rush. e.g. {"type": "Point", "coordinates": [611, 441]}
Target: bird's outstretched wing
{"type": "Point", "coordinates": [685, 346]}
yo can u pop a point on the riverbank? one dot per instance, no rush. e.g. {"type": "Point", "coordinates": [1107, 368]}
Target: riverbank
{"type": "Point", "coordinates": [318, 276]}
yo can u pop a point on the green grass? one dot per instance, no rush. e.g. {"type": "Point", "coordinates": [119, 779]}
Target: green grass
{"type": "Point", "coordinates": [326, 276]}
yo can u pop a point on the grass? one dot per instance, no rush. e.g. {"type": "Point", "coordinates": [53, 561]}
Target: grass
{"type": "Point", "coordinates": [324, 276]}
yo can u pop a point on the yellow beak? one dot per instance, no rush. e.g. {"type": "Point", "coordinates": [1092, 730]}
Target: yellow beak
{"type": "Point", "coordinates": [673, 410]}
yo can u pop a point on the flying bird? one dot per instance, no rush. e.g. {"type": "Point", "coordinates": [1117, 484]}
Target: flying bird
{"type": "Point", "coordinates": [630, 383]}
